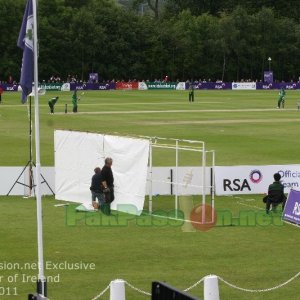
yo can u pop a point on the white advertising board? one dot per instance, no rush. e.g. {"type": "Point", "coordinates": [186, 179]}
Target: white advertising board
{"type": "Point", "coordinates": [254, 179]}
{"type": "Point", "coordinates": [244, 85]}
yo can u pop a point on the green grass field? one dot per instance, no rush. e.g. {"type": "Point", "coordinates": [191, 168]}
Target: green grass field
{"type": "Point", "coordinates": [243, 127]}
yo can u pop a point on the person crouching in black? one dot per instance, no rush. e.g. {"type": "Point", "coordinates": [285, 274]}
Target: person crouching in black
{"type": "Point", "coordinates": [96, 189]}
{"type": "Point", "coordinates": [108, 184]}
{"type": "Point", "coordinates": [275, 194]}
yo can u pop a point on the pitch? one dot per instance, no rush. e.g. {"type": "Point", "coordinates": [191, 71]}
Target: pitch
{"type": "Point", "coordinates": [243, 128]}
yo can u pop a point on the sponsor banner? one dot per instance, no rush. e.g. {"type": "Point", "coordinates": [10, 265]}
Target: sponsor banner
{"type": "Point", "coordinates": [161, 85]}
{"type": "Point", "coordinates": [210, 86]}
{"type": "Point", "coordinates": [51, 86]}
{"type": "Point", "coordinates": [277, 86]}
{"type": "Point", "coordinates": [93, 77]}
{"type": "Point", "coordinates": [93, 86]}
{"type": "Point", "coordinates": [268, 76]}
{"type": "Point", "coordinates": [127, 85]}
{"type": "Point", "coordinates": [180, 86]}
{"type": "Point", "coordinates": [289, 86]}
{"type": "Point", "coordinates": [254, 179]}
{"type": "Point", "coordinates": [143, 86]}
{"type": "Point", "coordinates": [66, 87]}
{"type": "Point", "coordinates": [291, 212]}
{"type": "Point", "coordinates": [9, 87]}
{"type": "Point", "coordinates": [244, 85]}
{"type": "Point", "coordinates": [265, 86]}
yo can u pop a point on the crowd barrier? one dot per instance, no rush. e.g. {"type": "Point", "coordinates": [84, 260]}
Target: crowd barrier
{"type": "Point", "coordinates": [159, 86]}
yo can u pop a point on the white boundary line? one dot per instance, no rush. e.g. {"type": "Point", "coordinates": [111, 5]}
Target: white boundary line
{"type": "Point", "coordinates": [290, 223]}
{"type": "Point", "coordinates": [176, 219]}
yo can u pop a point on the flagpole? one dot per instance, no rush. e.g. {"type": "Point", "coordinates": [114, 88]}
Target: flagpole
{"type": "Point", "coordinates": [41, 284]}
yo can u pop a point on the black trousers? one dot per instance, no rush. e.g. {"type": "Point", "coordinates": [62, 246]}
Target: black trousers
{"type": "Point", "coordinates": [109, 198]}
{"type": "Point", "coordinates": [51, 108]}
{"type": "Point", "coordinates": [274, 204]}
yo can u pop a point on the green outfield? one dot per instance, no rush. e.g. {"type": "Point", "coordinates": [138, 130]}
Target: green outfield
{"type": "Point", "coordinates": [243, 127]}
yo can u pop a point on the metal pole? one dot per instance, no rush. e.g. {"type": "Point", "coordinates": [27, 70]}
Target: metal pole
{"type": "Point", "coordinates": [30, 130]}
{"type": "Point", "coordinates": [171, 180]}
{"type": "Point", "coordinates": [203, 182]}
{"type": "Point", "coordinates": [41, 284]}
{"type": "Point", "coordinates": [30, 148]}
{"type": "Point", "coordinates": [213, 186]}
{"type": "Point", "coordinates": [176, 174]}
{"type": "Point", "coordinates": [150, 177]}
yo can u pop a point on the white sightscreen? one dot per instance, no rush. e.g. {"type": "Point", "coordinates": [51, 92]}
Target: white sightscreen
{"type": "Point", "coordinates": [78, 153]}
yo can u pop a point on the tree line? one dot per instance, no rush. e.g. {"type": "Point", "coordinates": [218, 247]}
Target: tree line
{"type": "Point", "coordinates": [185, 39]}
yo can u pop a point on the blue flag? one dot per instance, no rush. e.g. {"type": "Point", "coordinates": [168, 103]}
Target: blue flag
{"type": "Point", "coordinates": [25, 42]}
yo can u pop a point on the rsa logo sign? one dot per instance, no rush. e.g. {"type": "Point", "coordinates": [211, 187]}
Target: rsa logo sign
{"type": "Point", "coordinates": [240, 185]}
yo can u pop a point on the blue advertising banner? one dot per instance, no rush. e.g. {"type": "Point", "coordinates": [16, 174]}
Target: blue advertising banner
{"type": "Point", "coordinates": [277, 86]}
{"type": "Point", "coordinates": [93, 77]}
{"type": "Point", "coordinates": [9, 87]}
{"type": "Point", "coordinates": [291, 211]}
{"type": "Point", "coordinates": [268, 76]}
{"type": "Point", "coordinates": [197, 86]}
{"type": "Point", "coordinates": [210, 85]}
{"type": "Point", "coordinates": [93, 86]}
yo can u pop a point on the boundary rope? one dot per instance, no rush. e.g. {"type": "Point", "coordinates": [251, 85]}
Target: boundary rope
{"type": "Point", "coordinates": [259, 290]}
{"type": "Point", "coordinates": [200, 281]}
{"type": "Point", "coordinates": [101, 293]}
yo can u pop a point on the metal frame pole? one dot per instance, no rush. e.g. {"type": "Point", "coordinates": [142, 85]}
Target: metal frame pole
{"type": "Point", "coordinates": [150, 177]}
{"type": "Point", "coordinates": [30, 149]}
{"type": "Point", "coordinates": [203, 182]}
{"type": "Point", "coordinates": [176, 174]}
{"type": "Point", "coordinates": [213, 185]}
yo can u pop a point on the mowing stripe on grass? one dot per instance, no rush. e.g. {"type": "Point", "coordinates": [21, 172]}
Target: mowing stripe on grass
{"type": "Point", "coordinates": [219, 121]}
{"type": "Point", "coordinates": [134, 112]}
{"type": "Point", "coordinates": [119, 104]}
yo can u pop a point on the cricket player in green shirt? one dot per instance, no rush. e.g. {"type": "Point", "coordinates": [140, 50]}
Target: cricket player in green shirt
{"type": "Point", "coordinates": [75, 100]}
{"type": "Point", "coordinates": [281, 99]}
{"type": "Point", "coordinates": [52, 103]}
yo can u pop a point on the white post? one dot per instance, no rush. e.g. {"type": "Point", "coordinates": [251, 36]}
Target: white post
{"type": "Point", "coordinates": [41, 276]}
{"type": "Point", "coordinates": [203, 181]}
{"type": "Point", "coordinates": [151, 177]}
{"type": "Point", "coordinates": [176, 174]}
{"type": "Point", "coordinates": [213, 186]}
{"type": "Point", "coordinates": [211, 288]}
{"type": "Point", "coordinates": [117, 290]}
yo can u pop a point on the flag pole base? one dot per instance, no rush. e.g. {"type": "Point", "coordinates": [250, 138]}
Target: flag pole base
{"type": "Point", "coordinates": [41, 294]}
{"type": "Point", "coordinates": [41, 286]}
